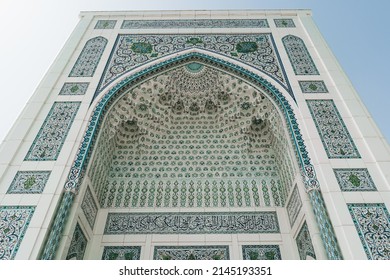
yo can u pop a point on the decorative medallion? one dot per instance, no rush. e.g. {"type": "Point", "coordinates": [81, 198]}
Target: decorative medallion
{"type": "Point", "coordinates": [284, 22]}
{"type": "Point", "coordinates": [74, 89]}
{"type": "Point", "coordinates": [105, 24]}
{"type": "Point", "coordinates": [354, 179]}
{"type": "Point", "coordinates": [29, 182]}
{"type": "Point", "coordinates": [313, 87]}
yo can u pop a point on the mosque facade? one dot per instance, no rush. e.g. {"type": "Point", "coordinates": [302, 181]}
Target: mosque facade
{"type": "Point", "coordinates": [209, 135]}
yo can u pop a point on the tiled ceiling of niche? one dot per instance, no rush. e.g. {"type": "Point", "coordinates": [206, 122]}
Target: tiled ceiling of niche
{"type": "Point", "coordinates": [192, 137]}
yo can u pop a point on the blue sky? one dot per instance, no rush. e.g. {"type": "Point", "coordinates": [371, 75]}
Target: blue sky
{"type": "Point", "coordinates": [33, 32]}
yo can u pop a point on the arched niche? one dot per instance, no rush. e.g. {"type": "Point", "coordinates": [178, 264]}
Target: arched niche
{"type": "Point", "coordinates": [188, 87]}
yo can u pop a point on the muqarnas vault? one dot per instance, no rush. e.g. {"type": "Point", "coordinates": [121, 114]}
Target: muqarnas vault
{"type": "Point", "coordinates": [201, 135]}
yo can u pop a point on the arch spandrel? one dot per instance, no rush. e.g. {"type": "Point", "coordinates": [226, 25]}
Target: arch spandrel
{"type": "Point", "coordinates": [259, 83]}
{"type": "Point", "coordinates": [258, 51]}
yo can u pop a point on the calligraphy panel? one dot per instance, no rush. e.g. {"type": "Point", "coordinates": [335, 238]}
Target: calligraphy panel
{"type": "Point", "coordinates": [192, 223]}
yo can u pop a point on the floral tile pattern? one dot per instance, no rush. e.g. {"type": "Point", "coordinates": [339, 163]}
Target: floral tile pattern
{"type": "Point", "coordinates": [74, 89]}
{"type": "Point", "coordinates": [261, 252]}
{"type": "Point", "coordinates": [372, 222]}
{"type": "Point", "coordinates": [257, 50]}
{"type": "Point", "coordinates": [294, 206]}
{"type": "Point", "coordinates": [313, 87]}
{"type": "Point", "coordinates": [194, 223]}
{"type": "Point", "coordinates": [332, 130]}
{"type": "Point", "coordinates": [305, 246]}
{"type": "Point", "coordinates": [14, 221]}
{"type": "Point", "coordinates": [89, 207]}
{"type": "Point", "coordinates": [50, 138]}
{"type": "Point", "coordinates": [105, 24]}
{"type": "Point", "coordinates": [354, 179]}
{"type": "Point", "coordinates": [77, 245]}
{"type": "Point", "coordinates": [89, 58]}
{"type": "Point", "coordinates": [195, 23]}
{"type": "Point", "coordinates": [299, 56]}
{"type": "Point", "coordinates": [191, 253]}
{"type": "Point", "coordinates": [121, 253]}
{"type": "Point", "coordinates": [284, 22]}
{"type": "Point", "coordinates": [29, 182]}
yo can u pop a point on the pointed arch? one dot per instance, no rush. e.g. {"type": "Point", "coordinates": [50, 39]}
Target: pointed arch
{"type": "Point", "coordinates": [84, 154]}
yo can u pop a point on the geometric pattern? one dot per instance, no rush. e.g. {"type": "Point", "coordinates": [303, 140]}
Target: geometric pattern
{"type": "Point", "coordinates": [284, 23]}
{"type": "Point", "coordinates": [305, 246]}
{"type": "Point", "coordinates": [192, 223]}
{"type": "Point", "coordinates": [14, 221]}
{"type": "Point", "coordinates": [261, 252]}
{"type": "Point", "coordinates": [50, 138]}
{"type": "Point", "coordinates": [294, 206]}
{"type": "Point", "coordinates": [131, 51]}
{"type": "Point", "coordinates": [74, 89]}
{"type": "Point", "coordinates": [121, 253]}
{"type": "Point", "coordinates": [313, 87]}
{"type": "Point", "coordinates": [195, 23]}
{"type": "Point", "coordinates": [191, 253]}
{"type": "Point", "coordinates": [29, 182]}
{"type": "Point", "coordinates": [332, 130]}
{"type": "Point", "coordinates": [299, 56]}
{"type": "Point", "coordinates": [89, 207]}
{"type": "Point", "coordinates": [89, 58]}
{"type": "Point", "coordinates": [192, 159]}
{"type": "Point", "coordinates": [354, 179]}
{"type": "Point", "coordinates": [105, 24]}
{"type": "Point", "coordinates": [372, 222]}
{"type": "Point", "coordinates": [77, 245]}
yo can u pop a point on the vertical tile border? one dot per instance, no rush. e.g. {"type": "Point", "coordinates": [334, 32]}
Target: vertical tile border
{"type": "Point", "coordinates": [89, 207]}
{"type": "Point", "coordinates": [77, 245]}
{"type": "Point", "coordinates": [304, 243]}
{"type": "Point", "coordinates": [14, 221]}
{"type": "Point", "coordinates": [334, 134]}
{"type": "Point", "coordinates": [372, 222]}
{"type": "Point", "coordinates": [50, 138]}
